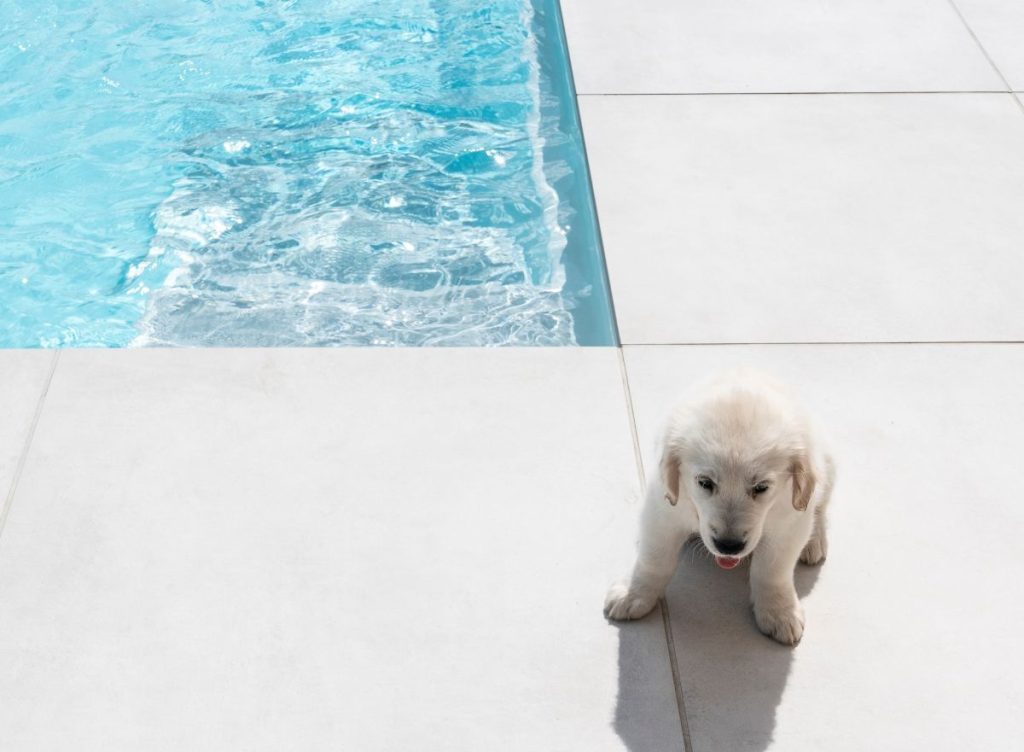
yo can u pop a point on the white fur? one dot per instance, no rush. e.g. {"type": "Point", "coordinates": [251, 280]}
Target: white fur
{"type": "Point", "coordinates": [740, 431]}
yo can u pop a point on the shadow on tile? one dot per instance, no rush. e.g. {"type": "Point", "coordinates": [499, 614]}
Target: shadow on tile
{"type": "Point", "coordinates": [732, 676]}
{"type": "Point", "coordinates": [646, 713]}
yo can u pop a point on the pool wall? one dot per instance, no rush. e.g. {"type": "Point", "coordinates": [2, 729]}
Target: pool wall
{"type": "Point", "coordinates": [594, 315]}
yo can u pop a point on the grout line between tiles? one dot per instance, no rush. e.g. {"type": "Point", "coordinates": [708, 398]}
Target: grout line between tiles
{"type": "Point", "coordinates": [981, 47]}
{"type": "Point", "coordinates": [666, 622]}
{"type": "Point", "coordinates": [781, 93]}
{"type": "Point", "coordinates": [838, 343]}
{"type": "Point", "coordinates": [631, 415]}
{"type": "Point", "coordinates": [9, 500]}
{"type": "Point", "coordinates": [1017, 98]}
{"type": "Point", "coordinates": [677, 684]}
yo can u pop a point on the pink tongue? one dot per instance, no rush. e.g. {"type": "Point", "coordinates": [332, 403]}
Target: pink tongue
{"type": "Point", "coordinates": [726, 562]}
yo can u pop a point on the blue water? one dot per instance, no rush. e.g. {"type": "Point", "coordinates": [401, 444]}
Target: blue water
{"type": "Point", "coordinates": [313, 172]}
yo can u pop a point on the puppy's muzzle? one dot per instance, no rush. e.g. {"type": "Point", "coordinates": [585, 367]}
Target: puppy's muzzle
{"type": "Point", "coordinates": [728, 546]}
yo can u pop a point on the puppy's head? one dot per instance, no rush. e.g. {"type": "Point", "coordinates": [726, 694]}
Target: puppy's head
{"type": "Point", "coordinates": [734, 455]}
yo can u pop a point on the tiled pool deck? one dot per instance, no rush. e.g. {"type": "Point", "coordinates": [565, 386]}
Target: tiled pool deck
{"type": "Point", "coordinates": [408, 549]}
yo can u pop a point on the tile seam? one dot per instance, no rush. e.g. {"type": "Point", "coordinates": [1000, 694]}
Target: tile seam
{"type": "Point", "coordinates": [631, 417]}
{"type": "Point", "coordinates": [864, 92]}
{"type": "Point", "coordinates": [810, 343]}
{"type": "Point", "coordinates": [981, 48]}
{"type": "Point", "coordinates": [677, 685]}
{"type": "Point", "coordinates": [1017, 98]}
{"type": "Point", "coordinates": [27, 445]}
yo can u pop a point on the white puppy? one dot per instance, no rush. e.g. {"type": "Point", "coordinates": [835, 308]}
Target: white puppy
{"type": "Point", "coordinates": [740, 465]}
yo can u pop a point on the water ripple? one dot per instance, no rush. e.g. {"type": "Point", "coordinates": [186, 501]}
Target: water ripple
{"type": "Point", "coordinates": [321, 172]}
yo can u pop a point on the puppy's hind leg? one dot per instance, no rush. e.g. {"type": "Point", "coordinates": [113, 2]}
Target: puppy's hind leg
{"type": "Point", "coordinates": [662, 535]}
{"type": "Point", "coordinates": [817, 545]}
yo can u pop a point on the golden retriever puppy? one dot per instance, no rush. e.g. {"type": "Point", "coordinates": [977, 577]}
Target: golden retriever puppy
{"type": "Point", "coordinates": [742, 466]}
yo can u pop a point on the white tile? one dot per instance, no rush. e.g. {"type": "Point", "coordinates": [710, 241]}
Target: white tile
{"type": "Point", "coordinates": [999, 25]}
{"type": "Point", "coordinates": [327, 549]}
{"type": "Point", "coordinates": [811, 218]}
{"type": "Point", "coordinates": [913, 620]}
{"type": "Point", "coordinates": [687, 46]}
{"type": "Point", "coordinates": [23, 375]}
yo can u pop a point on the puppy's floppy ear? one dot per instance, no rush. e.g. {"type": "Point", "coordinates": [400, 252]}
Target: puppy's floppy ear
{"type": "Point", "coordinates": [803, 481]}
{"type": "Point", "coordinates": [671, 467]}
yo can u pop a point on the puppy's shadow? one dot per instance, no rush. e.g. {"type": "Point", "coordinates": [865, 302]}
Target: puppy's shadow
{"type": "Point", "coordinates": [732, 676]}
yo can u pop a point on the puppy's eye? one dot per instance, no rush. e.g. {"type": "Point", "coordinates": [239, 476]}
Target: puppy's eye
{"type": "Point", "coordinates": [706, 483]}
{"type": "Point", "coordinates": [759, 489]}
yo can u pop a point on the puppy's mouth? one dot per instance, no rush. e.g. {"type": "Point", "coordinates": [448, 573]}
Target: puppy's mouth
{"type": "Point", "coordinates": [727, 562]}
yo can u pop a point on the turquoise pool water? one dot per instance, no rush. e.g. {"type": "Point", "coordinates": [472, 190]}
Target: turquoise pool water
{"type": "Point", "coordinates": [312, 172]}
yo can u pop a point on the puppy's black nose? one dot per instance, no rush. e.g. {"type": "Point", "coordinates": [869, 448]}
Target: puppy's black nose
{"type": "Point", "coordinates": [728, 546]}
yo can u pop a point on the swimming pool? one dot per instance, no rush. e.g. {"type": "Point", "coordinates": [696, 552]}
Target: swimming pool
{"type": "Point", "coordinates": [313, 172]}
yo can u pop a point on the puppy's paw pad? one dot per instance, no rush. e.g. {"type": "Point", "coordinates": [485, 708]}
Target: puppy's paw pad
{"type": "Point", "coordinates": [785, 625]}
{"type": "Point", "coordinates": [815, 551]}
{"type": "Point", "coordinates": [621, 604]}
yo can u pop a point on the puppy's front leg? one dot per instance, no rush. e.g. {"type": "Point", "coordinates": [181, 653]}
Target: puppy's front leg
{"type": "Point", "coordinates": [777, 609]}
{"type": "Point", "coordinates": [663, 530]}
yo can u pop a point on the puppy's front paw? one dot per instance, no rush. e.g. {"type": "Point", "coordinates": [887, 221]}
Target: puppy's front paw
{"type": "Point", "coordinates": [621, 603]}
{"type": "Point", "coordinates": [781, 622]}
{"type": "Point", "coordinates": [815, 550]}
